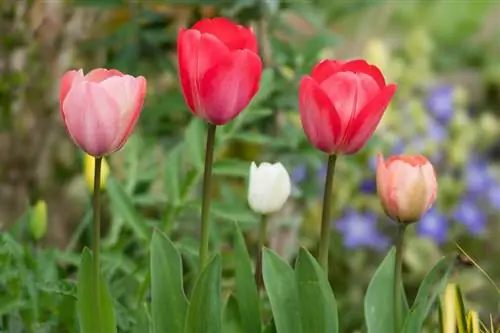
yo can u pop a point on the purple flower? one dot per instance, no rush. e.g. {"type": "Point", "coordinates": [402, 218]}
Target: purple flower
{"type": "Point", "coordinates": [471, 216]}
{"type": "Point", "coordinates": [436, 131]}
{"type": "Point", "coordinates": [494, 196]}
{"type": "Point", "coordinates": [433, 225]}
{"type": "Point", "coordinates": [368, 185]}
{"type": "Point", "coordinates": [440, 103]}
{"type": "Point", "coordinates": [360, 230]}
{"type": "Point", "coordinates": [477, 177]}
{"type": "Point", "coordinates": [298, 174]}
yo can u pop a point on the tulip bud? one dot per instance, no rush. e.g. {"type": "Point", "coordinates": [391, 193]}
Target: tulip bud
{"type": "Point", "coordinates": [269, 187]}
{"type": "Point", "coordinates": [38, 220]}
{"type": "Point", "coordinates": [88, 169]}
{"type": "Point", "coordinates": [406, 186]}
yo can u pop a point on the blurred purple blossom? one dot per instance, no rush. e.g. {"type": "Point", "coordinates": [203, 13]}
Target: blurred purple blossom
{"type": "Point", "coordinates": [298, 174]}
{"type": "Point", "coordinates": [494, 196]}
{"type": "Point", "coordinates": [436, 131]}
{"type": "Point", "coordinates": [477, 176]}
{"type": "Point", "coordinates": [368, 185]}
{"type": "Point", "coordinates": [433, 225]}
{"type": "Point", "coordinates": [471, 216]}
{"type": "Point", "coordinates": [360, 230]}
{"type": "Point", "coordinates": [440, 103]}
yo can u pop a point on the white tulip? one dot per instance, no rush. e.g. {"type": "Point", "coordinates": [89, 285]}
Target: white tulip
{"type": "Point", "coordinates": [269, 187]}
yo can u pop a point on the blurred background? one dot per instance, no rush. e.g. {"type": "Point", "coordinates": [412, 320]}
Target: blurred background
{"type": "Point", "coordinates": [443, 54]}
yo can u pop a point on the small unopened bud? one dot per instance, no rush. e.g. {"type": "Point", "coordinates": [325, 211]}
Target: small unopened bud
{"type": "Point", "coordinates": [269, 187]}
{"type": "Point", "coordinates": [38, 220]}
{"type": "Point", "coordinates": [406, 186]}
{"type": "Point", "coordinates": [88, 168]}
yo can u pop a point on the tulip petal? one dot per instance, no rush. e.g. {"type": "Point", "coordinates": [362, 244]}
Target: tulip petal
{"type": "Point", "coordinates": [101, 74]}
{"type": "Point", "coordinates": [234, 36]}
{"type": "Point", "coordinates": [362, 128]}
{"type": "Point", "coordinates": [197, 53]}
{"type": "Point", "coordinates": [227, 88]}
{"type": "Point", "coordinates": [91, 116]}
{"type": "Point", "coordinates": [319, 118]}
{"type": "Point", "coordinates": [384, 181]}
{"type": "Point", "coordinates": [361, 66]}
{"type": "Point", "coordinates": [129, 93]}
{"type": "Point", "coordinates": [326, 68]}
{"type": "Point", "coordinates": [66, 82]}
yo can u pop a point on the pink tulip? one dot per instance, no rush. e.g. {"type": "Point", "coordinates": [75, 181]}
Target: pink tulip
{"type": "Point", "coordinates": [406, 186]}
{"type": "Point", "coordinates": [219, 68]}
{"type": "Point", "coordinates": [341, 104]}
{"type": "Point", "coordinates": [100, 109]}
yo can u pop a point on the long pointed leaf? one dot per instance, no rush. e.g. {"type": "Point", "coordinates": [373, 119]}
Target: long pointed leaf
{"type": "Point", "coordinates": [281, 287]}
{"type": "Point", "coordinates": [168, 303]}
{"type": "Point", "coordinates": [94, 305]}
{"type": "Point", "coordinates": [318, 306]}
{"type": "Point", "coordinates": [246, 288]}
{"type": "Point", "coordinates": [205, 310]}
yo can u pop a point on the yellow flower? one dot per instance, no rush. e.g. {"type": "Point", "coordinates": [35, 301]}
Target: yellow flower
{"type": "Point", "coordinates": [38, 220]}
{"type": "Point", "coordinates": [88, 169]}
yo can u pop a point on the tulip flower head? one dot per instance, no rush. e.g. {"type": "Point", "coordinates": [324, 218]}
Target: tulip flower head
{"type": "Point", "coordinates": [269, 187]}
{"type": "Point", "coordinates": [341, 104]}
{"type": "Point", "coordinates": [219, 68]}
{"type": "Point", "coordinates": [406, 186]}
{"type": "Point", "coordinates": [100, 109]}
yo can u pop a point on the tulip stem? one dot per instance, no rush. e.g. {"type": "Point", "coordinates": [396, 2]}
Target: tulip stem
{"type": "Point", "coordinates": [97, 227]}
{"type": "Point", "coordinates": [324, 244]}
{"type": "Point", "coordinates": [207, 189]}
{"type": "Point", "coordinates": [260, 249]}
{"type": "Point", "coordinates": [397, 276]}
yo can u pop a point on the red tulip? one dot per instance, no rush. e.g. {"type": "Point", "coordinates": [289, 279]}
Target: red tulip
{"type": "Point", "coordinates": [406, 186]}
{"type": "Point", "coordinates": [219, 68]}
{"type": "Point", "coordinates": [341, 104]}
{"type": "Point", "coordinates": [100, 109]}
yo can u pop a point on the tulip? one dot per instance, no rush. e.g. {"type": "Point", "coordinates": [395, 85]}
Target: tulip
{"type": "Point", "coordinates": [341, 104]}
{"type": "Point", "coordinates": [269, 187]}
{"type": "Point", "coordinates": [100, 109]}
{"type": "Point", "coordinates": [219, 68]}
{"type": "Point", "coordinates": [406, 186]}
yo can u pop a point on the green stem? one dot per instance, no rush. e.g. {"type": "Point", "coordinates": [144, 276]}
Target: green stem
{"type": "Point", "coordinates": [324, 244]}
{"type": "Point", "coordinates": [97, 229]}
{"type": "Point", "coordinates": [397, 276]}
{"type": "Point", "coordinates": [207, 188]}
{"type": "Point", "coordinates": [262, 242]}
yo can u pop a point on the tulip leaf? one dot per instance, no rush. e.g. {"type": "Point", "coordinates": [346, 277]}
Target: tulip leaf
{"type": "Point", "coordinates": [232, 168]}
{"type": "Point", "coordinates": [281, 287]}
{"type": "Point", "coordinates": [231, 322]}
{"type": "Point", "coordinates": [318, 307]}
{"type": "Point", "coordinates": [204, 314]}
{"type": "Point", "coordinates": [247, 294]}
{"type": "Point", "coordinates": [433, 284]}
{"type": "Point", "coordinates": [194, 140]}
{"type": "Point", "coordinates": [94, 303]}
{"type": "Point", "coordinates": [379, 315]}
{"type": "Point", "coordinates": [168, 303]}
{"type": "Point", "coordinates": [124, 207]}
{"type": "Point", "coordinates": [452, 316]}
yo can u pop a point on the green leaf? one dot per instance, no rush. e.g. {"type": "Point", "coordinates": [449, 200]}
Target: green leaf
{"type": "Point", "coordinates": [232, 319]}
{"type": "Point", "coordinates": [231, 212]}
{"type": "Point", "coordinates": [256, 138]}
{"type": "Point", "coordinates": [168, 302]}
{"type": "Point", "coordinates": [452, 316]}
{"type": "Point", "coordinates": [95, 309]}
{"type": "Point", "coordinates": [172, 175]}
{"type": "Point", "coordinates": [433, 285]}
{"type": "Point", "coordinates": [318, 307]}
{"type": "Point", "coordinates": [232, 168]}
{"type": "Point", "coordinates": [204, 310]}
{"type": "Point", "coordinates": [246, 288]}
{"type": "Point", "coordinates": [380, 315]}
{"type": "Point", "coordinates": [281, 286]}
{"type": "Point", "coordinates": [123, 206]}
{"type": "Point", "coordinates": [194, 139]}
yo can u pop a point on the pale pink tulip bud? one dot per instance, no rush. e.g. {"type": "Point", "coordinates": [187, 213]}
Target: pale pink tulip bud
{"type": "Point", "coordinates": [406, 186]}
{"type": "Point", "coordinates": [100, 109]}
